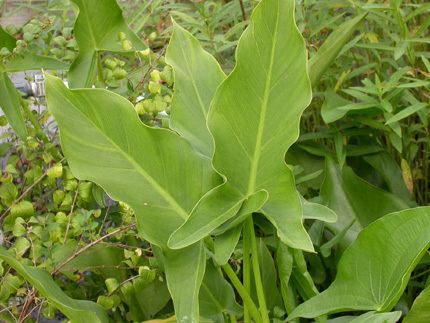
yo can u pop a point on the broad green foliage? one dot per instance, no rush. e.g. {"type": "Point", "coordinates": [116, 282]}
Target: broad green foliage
{"type": "Point", "coordinates": [374, 270]}
{"type": "Point", "coordinates": [354, 200]}
{"type": "Point", "coordinates": [99, 27]}
{"type": "Point", "coordinates": [197, 76]}
{"type": "Point", "coordinates": [77, 311]}
{"type": "Point", "coordinates": [254, 122]}
{"type": "Point", "coordinates": [420, 311]}
{"type": "Point", "coordinates": [216, 296]}
{"type": "Point", "coordinates": [124, 153]}
{"type": "Point", "coordinates": [166, 175]}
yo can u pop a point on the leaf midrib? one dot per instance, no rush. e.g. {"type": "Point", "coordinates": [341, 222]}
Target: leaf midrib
{"type": "Point", "coordinates": [167, 197]}
{"type": "Point", "coordinates": [264, 106]}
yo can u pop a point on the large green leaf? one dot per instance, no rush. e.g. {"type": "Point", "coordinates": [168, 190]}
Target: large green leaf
{"type": "Point", "coordinates": [390, 171]}
{"type": "Point", "coordinates": [96, 29]}
{"type": "Point", "coordinates": [152, 169]}
{"type": "Point", "coordinates": [269, 277]}
{"type": "Point", "coordinates": [254, 119]}
{"type": "Point", "coordinates": [420, 311]}
{"type": "Point", "coordinates": [78, 311]}
{"type": "Point", "coordinates": [354, 199]}
{"type": "Point", "coordinates": [331, 47]}
{"type": "Point", "coordinates": [197, 76]}
{"type": "Point", "coordinates": [217, 296]}
{"type": "Point", "coordinates": [10, 103]}
{"type": "Point", "coordinates": [374, 271]}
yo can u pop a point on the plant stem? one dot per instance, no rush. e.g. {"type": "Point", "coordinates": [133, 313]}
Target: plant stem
{"type": "Point", "coordinates": [242, 9]}
{"type": "Point", "coordinates": [243, 293]}
{"type": "Point", "coordinates": [246, 272]}
{"type": "Point", "coordinates": [249, 231]}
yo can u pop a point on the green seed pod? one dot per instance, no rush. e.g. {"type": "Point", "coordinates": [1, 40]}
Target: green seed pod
{"type": "Point", "coordinates": [122, 36]}
{"type": "Point", "coordinates": [154, 87]}
{"type": "Point", "coordinates": [120, 62]}
{"type": "Point", "coordinates": [72, 44]}
{"type": "Point", "coordinates": [60, 41]}
{"type": "Point", "coordinates": [67, 32]}
{"type": "Point", "coordinates": [140, 108]}
{"type": "Point", "coordinates": [119, 73]}
{"type": "Point", "coordinates": [28, 37]}
{"type": "Point", "coordinates": [4, 52]}
{"type": "Point", "coordinates": [107, 74]}
{"type": "Point", "coordinates": [144, 54]}
{"type": "Point", "coordinates": [126, 45]}
{"type": "Point", "coordinates": [110, 63]}
{"type": "Point", "coordinates": [155, 75]}
{"type": "Point", "coordinates": [69, 55]}
{"type": "Point", "coordinates": [57, 52]}
{"type": "Point", "coordinates": [167, 75]}
{"type": "Point", "coordinates": [149, 105]}
{"type": "Point", "coordinates": [160, 105]}
{"type": "Point", "coordinates": [152, 36]}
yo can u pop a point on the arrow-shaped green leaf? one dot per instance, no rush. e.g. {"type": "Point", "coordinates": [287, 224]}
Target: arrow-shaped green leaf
{"type": "Point", "coordinates": [254, 119]}
{"type": "Point", "coordinates": [374, 271]}
{"type": "Point", "coordinates": [152, 169]}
